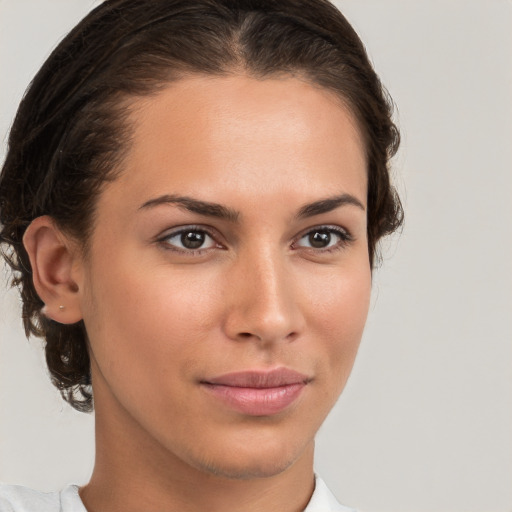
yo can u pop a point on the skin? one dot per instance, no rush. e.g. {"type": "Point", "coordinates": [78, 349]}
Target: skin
{"type": "Point", "coordinates": [162, 318]}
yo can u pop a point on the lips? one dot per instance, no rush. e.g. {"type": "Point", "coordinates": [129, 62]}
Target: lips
{"type": "Point", "coordinates": [258, 393]}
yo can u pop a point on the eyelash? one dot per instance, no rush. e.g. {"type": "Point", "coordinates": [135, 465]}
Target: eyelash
{"type": "Point", "coordinates": [344, 236]}
{"type": "Point", "coordinates": [164, 240]}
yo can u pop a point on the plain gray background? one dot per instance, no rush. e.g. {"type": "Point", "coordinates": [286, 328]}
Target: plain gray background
{"type": "Point", "coordinates": [425, 423]}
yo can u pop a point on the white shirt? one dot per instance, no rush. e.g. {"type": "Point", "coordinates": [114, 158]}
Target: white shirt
{"type": "Point", "coordinates": [15, 498]}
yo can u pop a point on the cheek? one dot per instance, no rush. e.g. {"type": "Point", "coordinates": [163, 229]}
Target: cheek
{"type": "Point", "coordinates": [338, 314]}
{"type": "Point", "coordinates": [152, 313]}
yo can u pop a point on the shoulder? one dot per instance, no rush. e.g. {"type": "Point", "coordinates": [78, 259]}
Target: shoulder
{"type": "Point", "coordinates": [323, 500]}
{"type": "Point", "coordinates": [16, 498]}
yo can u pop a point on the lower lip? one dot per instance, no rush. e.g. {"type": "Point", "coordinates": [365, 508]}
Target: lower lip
{"type": "Point", "coordinates": [257, 401]}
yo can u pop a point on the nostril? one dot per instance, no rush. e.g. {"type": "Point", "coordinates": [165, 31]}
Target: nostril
{"type": "Point", "coordinates": [245, 334]}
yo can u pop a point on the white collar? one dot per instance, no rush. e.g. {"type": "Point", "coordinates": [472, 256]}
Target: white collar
{"type": "Point", "coordinates": [323, 500]}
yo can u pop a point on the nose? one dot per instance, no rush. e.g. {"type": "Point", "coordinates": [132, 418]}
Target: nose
{"type": "Point", "coordinates": [262, 301]}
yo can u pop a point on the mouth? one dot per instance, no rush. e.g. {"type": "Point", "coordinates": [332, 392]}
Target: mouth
{"type": "Point", "coordinates": [258, 393]}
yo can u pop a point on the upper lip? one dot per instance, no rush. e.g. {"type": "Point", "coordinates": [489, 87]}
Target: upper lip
{"type": "Point", "coordinates": [260, 379]}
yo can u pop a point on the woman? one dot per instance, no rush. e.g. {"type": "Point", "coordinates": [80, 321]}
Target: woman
{"type": "Point", "coordinates": [191, 203]}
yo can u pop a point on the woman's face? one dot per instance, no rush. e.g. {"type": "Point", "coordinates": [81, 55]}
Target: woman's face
{"type": "Point", "coordinates": [228, 280]}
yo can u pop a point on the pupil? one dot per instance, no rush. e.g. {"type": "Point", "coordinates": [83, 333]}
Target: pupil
{"type": "Point", "coordinates": [192, 239]}
{"type": "Point", "coordinates": [320, 239]}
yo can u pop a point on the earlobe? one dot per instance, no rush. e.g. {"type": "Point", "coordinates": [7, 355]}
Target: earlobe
{"type": "Point", "coordinates": [52, 258]}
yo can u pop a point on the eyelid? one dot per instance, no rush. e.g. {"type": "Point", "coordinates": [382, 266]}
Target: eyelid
{"type": "Point", "coordinates": [345, 237]}
{"type": "Point", "coordinates": [178, 230]}
{"type": "Point", "coordinates": [344, 234]}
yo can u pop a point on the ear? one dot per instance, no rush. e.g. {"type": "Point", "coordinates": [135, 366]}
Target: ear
{"type": "Point", "coordinates": [53, 259]}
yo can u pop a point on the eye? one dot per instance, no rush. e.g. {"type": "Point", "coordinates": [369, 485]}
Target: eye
{"type": "Point", "coordinates": [189, 239]}
{"type": "Point", "coordinates": [324, 238]}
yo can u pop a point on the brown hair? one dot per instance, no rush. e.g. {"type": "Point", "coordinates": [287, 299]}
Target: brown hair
{"type": "Point", "coordinates": [69, 133]}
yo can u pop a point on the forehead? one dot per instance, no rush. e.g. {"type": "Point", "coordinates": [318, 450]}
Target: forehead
{"type": "Point", "coordinates": [243, 134]}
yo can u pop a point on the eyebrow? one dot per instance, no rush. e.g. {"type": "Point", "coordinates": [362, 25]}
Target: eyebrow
{"type": "Point", "coordinates": [222, 212]}
{"type": "Point", "coordinates": [194, 205]}
{"type": "Point", "coordinates": [329, 204]}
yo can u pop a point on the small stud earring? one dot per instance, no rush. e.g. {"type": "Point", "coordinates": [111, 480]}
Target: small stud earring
{"type": "Point", "coordinates": [61, 307]}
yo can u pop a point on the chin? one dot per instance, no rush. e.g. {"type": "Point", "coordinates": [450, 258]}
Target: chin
{"type": "Point", "coordinates": [245, 469]}
{"type": "Point", "coordinates": [253, 460]}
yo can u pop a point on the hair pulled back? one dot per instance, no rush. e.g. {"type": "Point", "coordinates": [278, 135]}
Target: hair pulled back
{"type": "Point", "coordinates": [70, 131]}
